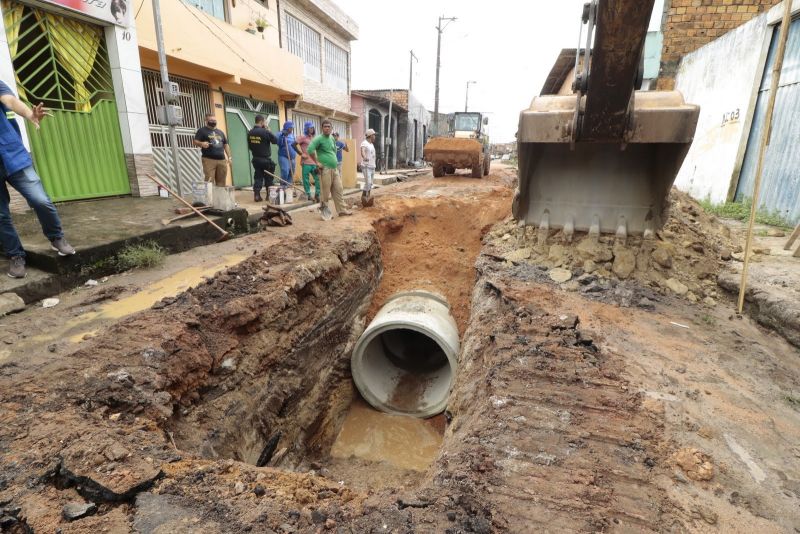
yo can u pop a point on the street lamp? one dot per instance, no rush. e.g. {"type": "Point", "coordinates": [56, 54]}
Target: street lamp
{"type": "Point", "coordinates": [466, 101]}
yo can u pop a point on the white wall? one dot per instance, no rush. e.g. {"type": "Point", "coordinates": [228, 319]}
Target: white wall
{"type": "Point", "coordinates": [721, 78]}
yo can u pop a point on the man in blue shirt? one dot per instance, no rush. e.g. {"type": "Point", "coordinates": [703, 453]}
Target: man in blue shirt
{"type": "Point", "coordinates": [16, 170]}
{"type": "Point", "coordinates": [287, 153]}
{"type": "Point", "coordinates": [339, 147]}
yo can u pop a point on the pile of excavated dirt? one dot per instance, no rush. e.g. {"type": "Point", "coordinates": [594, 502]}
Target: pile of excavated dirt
{"type": "Point", "coordinates": [432, 245]}
{"type": "Point", "coordinates": [684, 258]}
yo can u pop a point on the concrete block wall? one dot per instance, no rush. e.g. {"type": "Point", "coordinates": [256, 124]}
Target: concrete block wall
{"type": "Point", "coordinates": [689, 24]}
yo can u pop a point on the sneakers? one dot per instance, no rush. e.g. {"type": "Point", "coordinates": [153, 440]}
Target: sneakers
{"type": "Point", "coordinates": [257, 198]}
{"type": "Point", "coordinates": [61, 246]}
{"type": "Point", "coordinates": [16, 267]}
{"type": "Point", "coordinates": [344, 213]}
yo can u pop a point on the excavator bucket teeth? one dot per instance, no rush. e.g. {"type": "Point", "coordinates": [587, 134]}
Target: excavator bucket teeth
{"type": "Point", "coordinates": [601, 187]}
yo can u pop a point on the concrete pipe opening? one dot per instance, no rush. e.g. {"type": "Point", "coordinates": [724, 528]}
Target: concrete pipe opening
{"type": "Point", "coordinates": [405, 361]}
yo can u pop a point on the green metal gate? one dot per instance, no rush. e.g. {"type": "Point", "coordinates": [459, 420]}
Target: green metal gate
{"type": "Point", "coordinates": [63, 63]}
{"type": "Point", "coordinates": [240, 116]}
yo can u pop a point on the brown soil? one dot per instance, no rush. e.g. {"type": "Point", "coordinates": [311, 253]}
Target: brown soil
{"type": "Point", "coordinates": [569, 413]}
{"type": "Point", "coordinates": [433, 245]}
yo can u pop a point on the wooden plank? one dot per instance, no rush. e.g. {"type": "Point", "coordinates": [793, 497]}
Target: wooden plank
{"type": "Point", "coordinates": [792, 238]}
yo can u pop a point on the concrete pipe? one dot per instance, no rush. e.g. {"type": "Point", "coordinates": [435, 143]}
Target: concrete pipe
{"type": "Point", "coordinates": [405, 361]}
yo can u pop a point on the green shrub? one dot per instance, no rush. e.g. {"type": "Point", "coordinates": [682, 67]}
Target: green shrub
{"type": "Point", "coordinates": [143, 255]}
{"type": "Point", "coordinates": [741, 212]}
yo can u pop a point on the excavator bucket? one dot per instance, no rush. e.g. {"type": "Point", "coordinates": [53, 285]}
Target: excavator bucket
{"type": "Point", "coordinates": [601, 186]}
{"type": "Point", "coordinates": [602, 160]}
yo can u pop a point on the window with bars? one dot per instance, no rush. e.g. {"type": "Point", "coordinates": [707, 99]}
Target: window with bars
{"type": "Point", "coordinates": [60, 62]}
{"type": "Point", "coordinates": [335, 66]}
{"type": "Point", "coordinates": [215, 8]}
{"type": "Point", "coordinates": [304, 42]}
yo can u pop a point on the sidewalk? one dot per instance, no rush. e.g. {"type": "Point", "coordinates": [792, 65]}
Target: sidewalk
{"type": "Point", "coordinates": [99, 229]}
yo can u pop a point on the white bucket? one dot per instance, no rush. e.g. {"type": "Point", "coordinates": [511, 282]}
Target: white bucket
{"type": "Point", "coordinates": [273, 194]}
{"type": "Point", "coordinates": [289, 195]}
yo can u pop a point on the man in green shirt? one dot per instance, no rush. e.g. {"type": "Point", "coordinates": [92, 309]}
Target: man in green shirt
{"type": "Point", "coordinates": [323, 148]}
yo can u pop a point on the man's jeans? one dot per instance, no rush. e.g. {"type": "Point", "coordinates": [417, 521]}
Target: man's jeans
{"type": "Point", "coordinates": [369, 176]}
{"type": "Point", "coordinates": [29, 185]}
{"type": "Point", "coordinates": [287, 170]}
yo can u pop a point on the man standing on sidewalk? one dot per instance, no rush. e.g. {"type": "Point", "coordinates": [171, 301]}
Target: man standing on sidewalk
{"type": "Point", "coordinates": [368, 166]}
{"type": "Point", "coordinates": [259, 141]}
{"type": "Point", "coordinates": [287, 153]}
{"type": "Point", "coordinates": [16, 170]}
{"type": "Point", "coordinates": [216, 154]}
{"type": "Point", "coordinates": [309, 162]}
{"type": "Point", "coordinates": [325, 147]}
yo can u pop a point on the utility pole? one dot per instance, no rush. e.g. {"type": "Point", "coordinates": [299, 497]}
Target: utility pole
{"type": "Point", "coordinates": [466, 100]}
{"type": "Point", "coordinates": [389, 140]}
{"type": "Point", "coordinates": [439, 30]}
{"type": "Point", "coordinates": [169, 97]}
{"type": "Point", "coordinates": [411, 70]}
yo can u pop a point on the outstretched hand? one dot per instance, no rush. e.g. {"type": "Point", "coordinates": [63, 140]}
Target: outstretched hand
{"type": "Point", "coordinates": [38, 112]}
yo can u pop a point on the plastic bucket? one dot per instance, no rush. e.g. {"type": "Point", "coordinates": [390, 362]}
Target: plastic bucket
{"type": "Point", "coordinates": [272, 194]}
{"type": "Point", "coordinates": [289, 195]}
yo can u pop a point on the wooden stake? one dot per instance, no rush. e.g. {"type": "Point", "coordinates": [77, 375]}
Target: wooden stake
{"type": "Point", "coordinates": [765, 138]}
{"type": "Point", "coordinates": [792, 238]}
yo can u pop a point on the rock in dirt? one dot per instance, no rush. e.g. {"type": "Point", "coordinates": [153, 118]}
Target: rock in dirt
{"type": "Point", "coordinates": [696, 464]}
{"type": "Point", "coordinates": [10, 303]}
{"type": "Point", "coordinates": [589, 266]}
{"type": "Point", "coordinates": [77, 510]}
{"type": "Point", "coordinates": [556, 254]}
{"type": "Point", "coordinates": [676, 286]}
{"type": "Point", "coordinates": [115, 452]}
{"type": "Point", "coordinates": [624, 263]}
{"type": "Point", "coordinates": [774, 232]}
{"type": "Point", "coordinates": [662, 257]}
{"type": "Point", "coordinates": [589, 249]}
{"type": "Point", "coordinates": [518, 255]}
{"type": "Point", "coordinates": [50, 303]}
{"type": "Point", "coordinates": [238, 488]}
{"type": "Point", "coordinates": [560, 275]}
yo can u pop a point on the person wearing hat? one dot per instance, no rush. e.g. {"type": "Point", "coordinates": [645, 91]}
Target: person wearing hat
{"type": "Point", "coordinates": [339, 147]}
{"type": "Point", "coordinates": [287, 153]}
{"type": "Point", "coordinates": [260, 140]}
{"type": "Point", "coordinates": [308, 161]}
{"type": "Point", "coordinates": [368, 163]}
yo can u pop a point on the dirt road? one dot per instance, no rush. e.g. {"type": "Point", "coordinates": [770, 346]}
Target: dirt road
{"type": "Point", "coordinates": [570, 412]}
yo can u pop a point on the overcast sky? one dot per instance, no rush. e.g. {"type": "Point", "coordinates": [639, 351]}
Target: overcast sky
{"type": "Point", "coordinates": [506, 46]}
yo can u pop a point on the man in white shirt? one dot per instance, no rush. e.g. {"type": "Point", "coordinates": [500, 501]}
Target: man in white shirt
{"type": "Point", "coordinates": [368, 166]}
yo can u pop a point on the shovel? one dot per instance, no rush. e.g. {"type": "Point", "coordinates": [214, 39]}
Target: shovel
{"type": "Point", "coordinates": [327, 215]}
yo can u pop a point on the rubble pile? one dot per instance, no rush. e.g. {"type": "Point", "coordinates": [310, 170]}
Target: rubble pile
{"type": "Point", "coordinates": [683, 259]}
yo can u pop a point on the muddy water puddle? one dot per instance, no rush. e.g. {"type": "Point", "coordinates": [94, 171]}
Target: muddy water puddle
{"type": "Point", "coordinates": [77, 329]}
{"type": "Point", "coordinates": [403, 442]}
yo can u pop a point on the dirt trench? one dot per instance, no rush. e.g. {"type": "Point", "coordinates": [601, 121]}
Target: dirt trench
{"type": "Point", "coordinates": [569, 413]}
{"type": "Point", "coordinates": [249, 368]}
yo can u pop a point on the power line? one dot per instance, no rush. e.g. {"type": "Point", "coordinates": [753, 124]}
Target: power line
{"type": "Point", "coordinates": [228, 46]}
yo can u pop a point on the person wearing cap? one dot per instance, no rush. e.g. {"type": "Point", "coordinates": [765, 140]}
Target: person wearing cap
{"type": "Point", "coordinates": [16, 170]}
{"type": "Point", "coordinates": [368, 163]}
{"type": "Point", "coordinates": [323, 149]}
{"type": "Point", "coordinates": [260, 140]}
{"type": "Point", "coordinates": [287, 153]}
{"type": "Point", "coordinates": [309, 163]}
{"type": "Point", "coordinates": [339, 147]}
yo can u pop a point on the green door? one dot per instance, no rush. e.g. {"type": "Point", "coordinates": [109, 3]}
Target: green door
{"type": "Point", "coordinates": [240, 115]}
{"type": "Point", "coordinates": [63, 63]}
